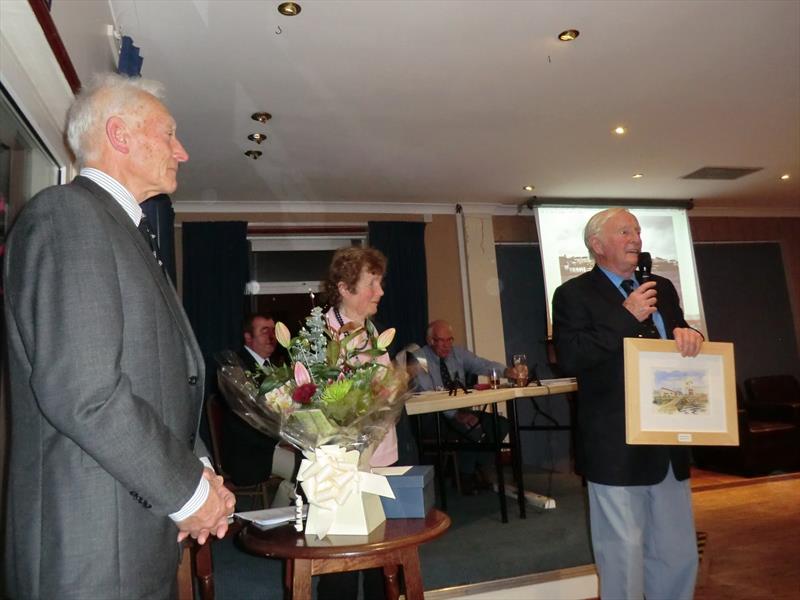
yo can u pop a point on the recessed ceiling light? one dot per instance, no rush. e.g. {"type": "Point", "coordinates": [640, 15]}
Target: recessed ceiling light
{"type": "Point", "coordinates": [261, 117]}
{"type": "Point", "coordinates": [257, 137]}
{"type": "Point", "coordinates": [289, 9]}
{"type": "Point", "coordinates": [638, 175]}
{"type": "Point", "coordinates": [785, 176]}
{"type": "Point", "coordinates": [568, 35]}
{"type": "Point", "coordinates": [620, 130]}
{"type": "Point", "coordinates": [527, 188]}
{"type": "Point", "coordinates": [254, 154]}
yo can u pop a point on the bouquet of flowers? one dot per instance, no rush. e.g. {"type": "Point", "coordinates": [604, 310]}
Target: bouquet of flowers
{"type": "Point", "coordinates": [333, 390]}
{"type": "Point", "coordinates": [335, 399]}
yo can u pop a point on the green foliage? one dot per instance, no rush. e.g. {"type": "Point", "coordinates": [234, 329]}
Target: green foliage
{"type": "Point", "coordinates": [344, 369]}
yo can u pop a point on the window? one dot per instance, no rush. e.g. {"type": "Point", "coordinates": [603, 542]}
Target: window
{"type": "Point", "coordinates": [285, 268]}
{"type": "Point", "coordinates": [26, 166]}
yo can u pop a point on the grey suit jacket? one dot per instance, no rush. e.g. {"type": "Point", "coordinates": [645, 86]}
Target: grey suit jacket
{"type": "Point", "coordinates": [106, 395]}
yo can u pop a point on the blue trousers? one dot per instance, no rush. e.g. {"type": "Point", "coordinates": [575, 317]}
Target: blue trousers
{"type": "Point", "coordinates": [644, 540]}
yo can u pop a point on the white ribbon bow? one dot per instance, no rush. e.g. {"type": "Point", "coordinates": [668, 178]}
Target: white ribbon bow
{"type": "Point", "coordinates": [330, 474]}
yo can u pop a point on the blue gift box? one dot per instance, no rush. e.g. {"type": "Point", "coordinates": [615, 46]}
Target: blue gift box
{"type": "Point", "coordinates": [413, 493]}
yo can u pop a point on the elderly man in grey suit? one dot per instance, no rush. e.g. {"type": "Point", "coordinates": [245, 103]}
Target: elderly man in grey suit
{"type": "Point", "coordinates": [106, 374]}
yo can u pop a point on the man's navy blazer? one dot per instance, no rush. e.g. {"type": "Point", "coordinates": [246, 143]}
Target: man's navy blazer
{"type": "Point", "coordinates": [589, 324]}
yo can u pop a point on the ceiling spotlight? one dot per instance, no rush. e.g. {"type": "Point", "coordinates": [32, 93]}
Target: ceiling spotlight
{"type": "Point", "coordinates": [619, 130]}
{"type": "Point", "coordinates": [568, 35]}
{"type": "Point", "coordinates": [261, 117]}
{"type": "Point", "coordinates": [785, 176]}
{"type": "Point", "coordinates": [254, 154]}
{"type": "Point", "coordinates": [638, 175]}
{"type": "Point", "coordinates": [257, 137]}
{"type": "Point", "coordinates": [527, 188]}
{"type": "Point", "coordinates": [289, 9]}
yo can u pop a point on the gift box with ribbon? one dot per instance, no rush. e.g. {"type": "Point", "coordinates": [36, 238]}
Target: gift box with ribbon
{"type": "Point", "coordinates": [342, 499]}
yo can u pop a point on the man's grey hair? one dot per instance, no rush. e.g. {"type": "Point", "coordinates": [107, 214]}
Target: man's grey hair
{"type": "Point", "coordinates": [106, 95]}
{"type": "Point", "coordinates": [595, 225]}
{"type": "Point", "coordinates": [432, 324]}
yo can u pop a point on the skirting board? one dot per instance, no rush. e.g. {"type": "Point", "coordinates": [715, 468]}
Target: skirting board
{"type": "Point", "coordinates": [563, 584]}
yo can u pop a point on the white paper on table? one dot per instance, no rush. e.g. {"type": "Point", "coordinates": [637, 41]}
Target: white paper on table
{"type": "Point", "coordinates": [557, 381]}
{"type": "Point", "coordinates": [270, 517]}
{"type": "Point", "coordinates": [388, 471]}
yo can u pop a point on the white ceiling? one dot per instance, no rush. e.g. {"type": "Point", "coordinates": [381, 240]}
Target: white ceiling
{"type": "Point", "coordinates": [467, 101]}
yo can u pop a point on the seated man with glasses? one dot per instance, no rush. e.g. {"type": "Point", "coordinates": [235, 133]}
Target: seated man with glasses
{"type": "Point", "coordinates": [440, 365]}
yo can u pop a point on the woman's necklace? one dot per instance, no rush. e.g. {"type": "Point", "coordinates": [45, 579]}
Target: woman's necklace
{"type": "Point", "coordinates": [338, 316]}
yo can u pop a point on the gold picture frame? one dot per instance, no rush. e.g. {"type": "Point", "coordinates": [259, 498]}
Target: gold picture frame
{"type": "Point", "coordinates": [674, 400]}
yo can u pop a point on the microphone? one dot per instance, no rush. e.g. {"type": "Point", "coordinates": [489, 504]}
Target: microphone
{"type": "Point", "coordinates": [645, 268]}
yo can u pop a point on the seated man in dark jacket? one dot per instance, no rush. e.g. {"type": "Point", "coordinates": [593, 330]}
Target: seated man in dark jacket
{"type": "Point", "coordinates": [246, 452]}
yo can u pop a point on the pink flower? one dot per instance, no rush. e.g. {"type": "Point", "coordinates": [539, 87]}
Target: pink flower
{"type": "Point", "coordinates": [386, 338]}
{"type": "Point", "coordinates": [301, 374]}
{"type": "Point", "coordinates": [303, 394]}
{"type": "Point", "coordinates": [282, 334]}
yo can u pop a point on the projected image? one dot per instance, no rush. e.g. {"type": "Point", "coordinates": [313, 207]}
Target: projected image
{"type": "Point", "coordinates": [657, 238]}
{"type": "Point", "coordinates": [665, 235]}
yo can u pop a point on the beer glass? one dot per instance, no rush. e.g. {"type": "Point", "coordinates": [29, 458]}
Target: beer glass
{"type": "Point", "coordinates": [520, 363]}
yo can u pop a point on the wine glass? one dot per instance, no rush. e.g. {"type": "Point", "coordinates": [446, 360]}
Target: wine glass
{"type": "Point", "coordinates": [520, 363]}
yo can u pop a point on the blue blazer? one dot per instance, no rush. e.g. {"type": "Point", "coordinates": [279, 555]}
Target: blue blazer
{"type": "Point", "coordinates": [589, 323]}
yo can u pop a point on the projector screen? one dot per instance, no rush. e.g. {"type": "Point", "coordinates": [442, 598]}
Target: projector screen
{"type": "Point", "coordinates": [665, 235]}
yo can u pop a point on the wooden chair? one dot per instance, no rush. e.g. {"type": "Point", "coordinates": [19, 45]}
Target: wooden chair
{"type": "Point", "coordinates": [260, 491]}
{"type": "Point", "coordinates": [196, 570]}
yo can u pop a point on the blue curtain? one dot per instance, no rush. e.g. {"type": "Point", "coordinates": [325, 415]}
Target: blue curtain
{"type": "Point", "coordinates": [215, 271]}
{"type": "Point", "coordinates": [405, 301]}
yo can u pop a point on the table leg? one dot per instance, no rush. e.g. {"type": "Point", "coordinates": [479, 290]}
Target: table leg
{"type": "Point", "coordinates": [412, 576]}
{"type": "Point", "coordinates": [440, 463]}
{"type": "Point", "coordinates": [516, 456]}
{"type": "Point", "coordinates": [392, 585]}
{"type": "Point", "coordinates": [301, 579]}
{"type": "Point", "coordinates": [288, 575]}
{"type": "Point", "coordinates": [498, 463]}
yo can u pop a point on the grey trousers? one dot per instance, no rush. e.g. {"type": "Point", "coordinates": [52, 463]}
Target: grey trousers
{"type": "Point", "coordinates": [468, 460]}
{"type": "Point", "coordinates": [644, 540]}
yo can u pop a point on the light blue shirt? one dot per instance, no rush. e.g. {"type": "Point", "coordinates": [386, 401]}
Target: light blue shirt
{"type": "Point", "coordinates": [459, 362]}
{"type": "Point", "coordinates": [617, 280]}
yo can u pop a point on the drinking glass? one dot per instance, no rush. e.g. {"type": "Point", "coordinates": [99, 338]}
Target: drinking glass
{"type": "Point", "coordinates": [494, 379]}
{"type": "Point", "coordinates": [520, 363]}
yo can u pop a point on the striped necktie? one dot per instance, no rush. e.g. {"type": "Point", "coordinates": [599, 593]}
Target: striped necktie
{"type": "Point", "coordinates": [150, 237]}
{"type": "Point", "coordinates": [447, 381]}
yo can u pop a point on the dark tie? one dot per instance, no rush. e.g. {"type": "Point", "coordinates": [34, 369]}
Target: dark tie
{"type": "Point", "coordinates": [627, 285]}
{"type": "Point", "coordinates": [447, 381]}
{"type": "Point", "coordinates": [652, 330]}
{"type": "Point", "coordinates": [150, 237]}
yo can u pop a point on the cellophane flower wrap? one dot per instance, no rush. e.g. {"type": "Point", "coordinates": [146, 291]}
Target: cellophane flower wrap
{"type": "Point", "coordinates": [333, 390]}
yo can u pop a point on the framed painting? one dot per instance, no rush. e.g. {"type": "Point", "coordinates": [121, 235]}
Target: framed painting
{"type": "Point", "coordinates": [674, 400]}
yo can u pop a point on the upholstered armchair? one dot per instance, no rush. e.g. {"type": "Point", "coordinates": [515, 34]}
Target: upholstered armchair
{"type": "Point", "coordinates": [773, 398]}
{"type": "Point", "coordinates": [769, 440]}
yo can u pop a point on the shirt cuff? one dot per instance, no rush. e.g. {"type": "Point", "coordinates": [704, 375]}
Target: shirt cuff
{"type": "Point", "coordinates": [198, 498]}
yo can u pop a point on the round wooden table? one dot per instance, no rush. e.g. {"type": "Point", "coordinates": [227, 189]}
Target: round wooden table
{"type": "Point", "coordinates": [393, 543]}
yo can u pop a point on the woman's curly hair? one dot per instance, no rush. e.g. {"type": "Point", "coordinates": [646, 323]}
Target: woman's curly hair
{"type": "Point", "coordinates": [346, 267]}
